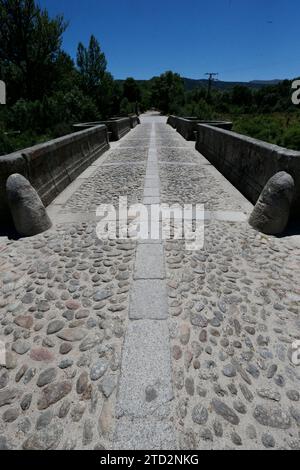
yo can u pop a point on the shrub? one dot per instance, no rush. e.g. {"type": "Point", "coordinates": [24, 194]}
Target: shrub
{"type": "Point", "coordinates": [12, 142]}
{"type": "Point", "coordinates": [292, 138]}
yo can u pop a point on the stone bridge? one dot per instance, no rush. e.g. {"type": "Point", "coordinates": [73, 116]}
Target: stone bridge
{"type": "Point", "coordinates": [145, 344]}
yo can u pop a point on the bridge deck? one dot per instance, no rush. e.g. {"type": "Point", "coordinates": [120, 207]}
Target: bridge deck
{"type": "Point", "coordinates": [147, 344]}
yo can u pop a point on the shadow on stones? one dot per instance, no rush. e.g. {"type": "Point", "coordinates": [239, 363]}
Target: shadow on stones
{"type": "Point", "coordinates": [293, 228]}
{"type": "Point", "coordinates": [8, 230]}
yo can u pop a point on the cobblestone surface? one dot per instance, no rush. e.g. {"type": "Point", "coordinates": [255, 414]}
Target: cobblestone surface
{"type": "Point", "coordinates": [175, 155]}
{"type": "Point", "coordinates": [235, 309]}
{"type": "Point", "coordinates": [233, 317]}
{"type": "Point", "coordinates": [164, 140]}
{"type": "Point", "coordinates": [63, 316]}
{"type": "Point", "coordinates": [192, 185]}
{"type": "Point", "coordinates": [106, 185]}
{"type": "Point", "coordinates": [126, 155]}
{"type": "Point", "coordinates": [134, 143]}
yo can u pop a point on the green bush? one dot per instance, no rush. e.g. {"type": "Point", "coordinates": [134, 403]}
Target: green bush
{"type": "Point", "coordinates": [292, 138]}
{"type": "Point", "coordinates": [25, 115]}
{"type": "Point", "coordinates": [126, 107]}
{"type": "Point", "coordinates": [202, 110]}
{"type": "Point", "coordinates": [6, 145]}
{"type": "Point", "coordinates": [278, 128]}
{"type": "Point", "coordinates": [12, 142]}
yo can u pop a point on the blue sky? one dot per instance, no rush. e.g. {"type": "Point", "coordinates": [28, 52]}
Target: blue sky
{"type": "Point", "coordinates": [241, 39]}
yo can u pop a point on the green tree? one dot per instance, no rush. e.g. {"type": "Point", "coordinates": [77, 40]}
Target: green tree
{"type": "Point", "coordinates": [241, 96]}
{"type": "Point", "coordinates": [126, 107]}
{"type": "Point", "coordinates": [132, 92]}
{"type": "Point", "coordinates": [66, 76]}
{"type": "Point", "coordinates": [30, 46]}
{"type": "Point", "coordinates": [168, 92]}
{"type": "Point", "coordinates": [105, 99]}
{"type": "Point", "coordinates": [94, 79]}
{"type": "Point", "coordinates": [92, 65]}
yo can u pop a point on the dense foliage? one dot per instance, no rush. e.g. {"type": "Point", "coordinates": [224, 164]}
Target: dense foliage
{"type": "Point", "coordinates": [266, 113]}
{"type": "Point", "coordinates": [48, 92]}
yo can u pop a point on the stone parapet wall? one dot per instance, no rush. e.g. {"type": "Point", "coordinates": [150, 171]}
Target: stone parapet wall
{"type": "Point", "coordinates": [187, 127]}
{"type": "Point", "coordinates": [52, 166]}
{"type": "Point", "coordinates": [172, 121]}
{"type": "Point", "coordinates": [134, 121]}
{"type": "Point", "coordinates": [248, 163]}
{"type": "Point", "coordinates": [117, 127]}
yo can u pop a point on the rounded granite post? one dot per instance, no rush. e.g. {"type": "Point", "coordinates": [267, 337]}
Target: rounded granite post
{"type": "Point", "coordinates": [272, 210]}
{"type": "Point", "coordinates": [28, 212]}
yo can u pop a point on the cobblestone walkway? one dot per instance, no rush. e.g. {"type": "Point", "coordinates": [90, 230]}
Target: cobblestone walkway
{"type": "Point", "coordinates": [144, 344]}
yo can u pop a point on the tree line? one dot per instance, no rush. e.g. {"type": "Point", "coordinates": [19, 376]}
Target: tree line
{"type": "Point", "coordinates": [266, 113]}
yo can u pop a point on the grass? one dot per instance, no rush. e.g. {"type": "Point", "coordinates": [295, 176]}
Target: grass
{"type": "Point", "coordinates": [282, 129]}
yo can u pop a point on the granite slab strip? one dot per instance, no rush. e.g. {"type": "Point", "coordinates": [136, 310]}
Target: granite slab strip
{"type": "Point", "coordinates": [151, 434]}
{"type": "Point", "coordinates": [145, 390]}
{"type": "Point", "coordinates": [145, 385]}
{"type": "Point", "coordinates": [151, 191]}
{"type": "Point", "coordinates": [148, 300]}
{"type": "Point", "coordinates": [151, 183]}
{"type": "Point", "coordinates": [149, 262]}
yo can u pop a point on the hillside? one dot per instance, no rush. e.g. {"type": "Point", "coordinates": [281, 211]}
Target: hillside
{"type": "Point", "coordinates": [191, 83]}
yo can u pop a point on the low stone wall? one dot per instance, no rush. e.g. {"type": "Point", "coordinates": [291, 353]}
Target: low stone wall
{"type": "Point", "coordinates": [134, 121]}
{"type": "Point", "coordinates": [248, 163]}
{"type": "Point", "coordinates": [172, 121]}
{"type": "Point", "coordinates": [52, 166]}
{"type": "Point", "coordinates": [117, 127]}
{"type": "Point", "coordinates": [187, 127]}
{"type": "Point", "coordinates": [86, 125]}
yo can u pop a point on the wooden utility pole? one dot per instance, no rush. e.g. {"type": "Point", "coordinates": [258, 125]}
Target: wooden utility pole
{"type": "Point", "coordinates": [211, 78]}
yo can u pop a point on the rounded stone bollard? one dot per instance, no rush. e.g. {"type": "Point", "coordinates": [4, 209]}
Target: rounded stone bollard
{"type": "Point", "coordinates": [27, 210]}
{"type": "Point", "coordinates": [272, 210]}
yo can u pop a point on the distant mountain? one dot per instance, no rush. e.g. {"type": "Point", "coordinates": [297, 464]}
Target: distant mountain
{"type": "Point", "coordinates": [266, 82]}
{"type": "Point", "coordinates": [191, 83]}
